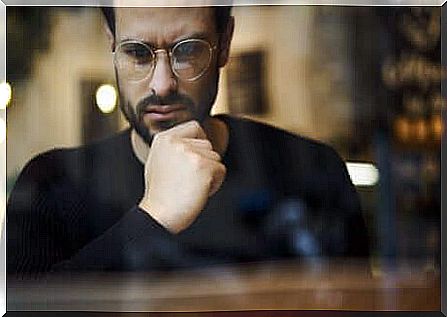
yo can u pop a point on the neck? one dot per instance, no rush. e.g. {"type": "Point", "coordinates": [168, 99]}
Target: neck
{"type": "Point", "coordinates": [215, 129]}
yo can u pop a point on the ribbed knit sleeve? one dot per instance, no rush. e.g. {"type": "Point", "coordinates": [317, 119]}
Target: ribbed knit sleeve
{"type": "Point", "coordinates": [43, 236]}
{"type": "Point", "coordinates": [135, 242]}
{"type": "Point", "coordinates": [31, 230]}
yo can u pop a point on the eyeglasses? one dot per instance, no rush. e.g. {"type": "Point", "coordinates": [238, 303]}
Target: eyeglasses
{"type": "Point", "coordinates": [189, 59]}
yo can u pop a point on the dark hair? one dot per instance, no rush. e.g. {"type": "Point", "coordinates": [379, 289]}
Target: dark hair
{"type": "Point", "coordinates": [222, 16]}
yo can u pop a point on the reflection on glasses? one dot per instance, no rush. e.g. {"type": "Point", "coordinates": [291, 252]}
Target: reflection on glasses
{"type": "Point", "coordinates": [189, 59]}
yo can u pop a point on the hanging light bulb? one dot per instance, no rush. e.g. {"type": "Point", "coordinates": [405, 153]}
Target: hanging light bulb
{"type": "Point", "coordinates": [5, 95]}
{"type": "Point", "coordinates": [106, 97]}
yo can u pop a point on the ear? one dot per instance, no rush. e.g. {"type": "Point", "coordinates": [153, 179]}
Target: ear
{"type": "Point", "coordinates": [109, 34]}
{"type": "Point", "coordinates": [225, 43]}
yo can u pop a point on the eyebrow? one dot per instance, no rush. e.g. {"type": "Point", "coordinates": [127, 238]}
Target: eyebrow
{"type": "Point", "coordinates": [196, 35]}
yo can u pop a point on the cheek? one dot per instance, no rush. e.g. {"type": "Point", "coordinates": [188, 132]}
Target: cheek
{"type": "Point", "coordinates": [209, 94]}
{"type": "Point", "coordinates": [132, 93]}
{"type": "Point", "coordinates": [203, 90]}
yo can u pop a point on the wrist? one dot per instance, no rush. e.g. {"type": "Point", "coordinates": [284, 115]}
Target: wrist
{"type": "Point", "coordinates": [157, 214]}
{"type": "Point", "coordinates": [144, 205]}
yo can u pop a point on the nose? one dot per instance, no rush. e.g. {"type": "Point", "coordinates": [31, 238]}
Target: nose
{"type": "Point", "coordinates": [163, 80]}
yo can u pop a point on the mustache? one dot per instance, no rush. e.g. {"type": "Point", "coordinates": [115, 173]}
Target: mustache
{"type": "Point", "coordinates": [154, 99]}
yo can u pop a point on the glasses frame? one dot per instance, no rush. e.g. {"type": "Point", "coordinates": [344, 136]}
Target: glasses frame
{"type": "Point", "coordinates": [168, 51]}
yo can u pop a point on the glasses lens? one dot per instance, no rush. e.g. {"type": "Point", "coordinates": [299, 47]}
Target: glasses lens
{"type": "Point", "coordinates": [191, 58]}
{"type": "Point", "coordinates": [134, 60]}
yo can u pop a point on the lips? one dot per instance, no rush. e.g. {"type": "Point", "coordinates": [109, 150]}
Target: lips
{"type": "Point", "coordinates": [165, 112]}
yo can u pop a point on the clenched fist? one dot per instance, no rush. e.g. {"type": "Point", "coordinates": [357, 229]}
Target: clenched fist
{"type": "Point", "coordinates": [182, 171]}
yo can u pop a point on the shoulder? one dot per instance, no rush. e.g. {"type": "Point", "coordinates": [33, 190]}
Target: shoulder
{"type": "Point", "coordinates": [296, 161]}
{"type": "Point", "coordinates": [112, 143]}
{"type": "Point", "coordinates": [57, 162]}
{"type": "Point", "coordinates": [278, 139]}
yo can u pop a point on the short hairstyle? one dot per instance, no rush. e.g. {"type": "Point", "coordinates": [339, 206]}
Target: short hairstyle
{"type": "Point", "coordinates": [222, 13]}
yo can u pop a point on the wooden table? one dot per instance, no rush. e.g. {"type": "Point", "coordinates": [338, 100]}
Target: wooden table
{"type": "Point", "coordinates": [335, 285]}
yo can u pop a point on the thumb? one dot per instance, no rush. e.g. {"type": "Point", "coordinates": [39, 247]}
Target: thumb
{"type": "Point", "coordinates": [189, 129]}
{"type": "Point", "coordinates": [218, 178]}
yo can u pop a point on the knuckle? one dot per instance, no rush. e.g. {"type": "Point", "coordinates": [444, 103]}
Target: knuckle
{"type": "Point", "coordinates": [209, 180]}
{"type": "Point", "coordinates": [217, 156]}
{"type": "Point", "coordinates": [195, 159]}
{"type": "Point", "coordinates": [221, 169]}
{"type": "Point", "coordinates": [195, 124]}
{"type": "Point", "coordinates": [160, 136]}
{"type": "Point", "coordinates": [208, 144]}
{"type": "Point", "coordinates": [156, 138]}
{"type": "Point", "coordinates": [197, 127]}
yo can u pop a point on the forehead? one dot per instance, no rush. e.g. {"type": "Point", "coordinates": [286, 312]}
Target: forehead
{"type": "Point", "coordinates": [163, 26]}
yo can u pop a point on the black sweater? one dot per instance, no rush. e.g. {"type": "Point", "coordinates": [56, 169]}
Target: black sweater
{"type": "Point", "coordinates": [283, 196]}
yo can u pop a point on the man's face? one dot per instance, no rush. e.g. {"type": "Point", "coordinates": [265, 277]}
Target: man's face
{"type": "Point", "coordinates": [161, 100]}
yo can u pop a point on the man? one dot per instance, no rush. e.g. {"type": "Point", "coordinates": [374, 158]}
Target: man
{"type": "Point", "coordinates": [180, 188]}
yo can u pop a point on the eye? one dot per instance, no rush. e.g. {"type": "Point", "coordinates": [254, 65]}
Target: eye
{"type": "Point", "coordinates": [191, 51]}
{"type": "Point", "coordinates": [137, 52]}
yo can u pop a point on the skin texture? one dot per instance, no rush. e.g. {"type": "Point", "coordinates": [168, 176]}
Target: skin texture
{"type": "Point", "coordinates": [181, 155]}
{"type": "Point", "coordinates": [191, 173]}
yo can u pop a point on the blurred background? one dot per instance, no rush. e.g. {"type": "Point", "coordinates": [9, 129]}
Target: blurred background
{"type": "Point", "coordinates": [364, 80]}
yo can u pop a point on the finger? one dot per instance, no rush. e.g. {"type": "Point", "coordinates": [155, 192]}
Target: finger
{"type": "Point", "coordinates": [189, 129]}
{"type": "Point", "coordinates": [218, 178]}
{"type": "Point", "coordinates": [211, 155]}
{"type": "Point", "coordinates": [199, 143]}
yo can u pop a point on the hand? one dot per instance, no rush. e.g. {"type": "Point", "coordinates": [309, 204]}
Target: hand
{"type": "Point", "coordinates": [182, 171]}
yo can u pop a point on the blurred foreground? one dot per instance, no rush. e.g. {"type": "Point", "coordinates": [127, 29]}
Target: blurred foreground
{"type": "Point", "coordinates": [335, 285]}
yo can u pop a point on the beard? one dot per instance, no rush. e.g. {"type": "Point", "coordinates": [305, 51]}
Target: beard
{"type": "Point", "coordinates": [135, 117]}
{"type": "Point", "coordinates": [134, 114]}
